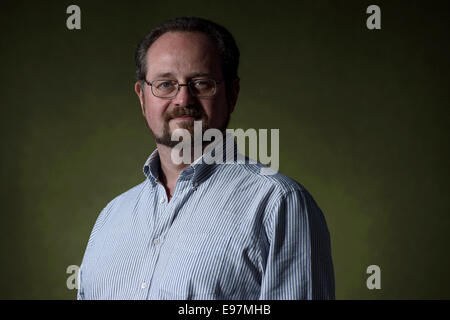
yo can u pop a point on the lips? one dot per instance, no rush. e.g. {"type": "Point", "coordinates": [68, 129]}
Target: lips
{"type": "Point", "coordinates": [185, 114]}
{"type": "Point", "coordinates": [184, 118]}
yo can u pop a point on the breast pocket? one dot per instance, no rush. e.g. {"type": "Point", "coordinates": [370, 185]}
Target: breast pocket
{"type": "Point", "coordinates": [194, 268]}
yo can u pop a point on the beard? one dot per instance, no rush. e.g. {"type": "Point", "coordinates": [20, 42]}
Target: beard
{"type": "Point", "coordinates": [194, 111]}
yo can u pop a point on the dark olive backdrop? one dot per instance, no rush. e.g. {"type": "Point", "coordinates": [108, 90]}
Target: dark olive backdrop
{"type": "Point", "coordinates": [363, 118]}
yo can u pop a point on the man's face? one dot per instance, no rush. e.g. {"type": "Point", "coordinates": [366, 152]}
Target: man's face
{"type": "Point", "coordinates": [184, 56]}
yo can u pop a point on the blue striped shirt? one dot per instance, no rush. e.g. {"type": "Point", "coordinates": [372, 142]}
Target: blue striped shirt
{"type": "Point", "coordinates": [228, 232]}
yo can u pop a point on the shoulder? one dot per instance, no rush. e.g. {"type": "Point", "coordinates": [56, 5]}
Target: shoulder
{"type": "Point", "coordinates": [286, 200]}
{"type": "Point", "coordinates": [280, 193]}
{"type": "Point", "coordinates": [255, 175]}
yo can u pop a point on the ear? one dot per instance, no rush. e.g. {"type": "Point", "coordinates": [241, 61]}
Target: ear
{"type": "Point", "coordinates": [233, 93]}
{"type": "Point", "coordinates": [138, 88]}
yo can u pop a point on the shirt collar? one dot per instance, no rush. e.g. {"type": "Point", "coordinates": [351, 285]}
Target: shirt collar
{"type": "Point", "coordinates": [202, 167]}
{"type": "Point", "coordinates": [151, 167]}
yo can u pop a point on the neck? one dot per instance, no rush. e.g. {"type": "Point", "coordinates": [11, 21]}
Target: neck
{"type": "Point", "coordinates": [169, 170]}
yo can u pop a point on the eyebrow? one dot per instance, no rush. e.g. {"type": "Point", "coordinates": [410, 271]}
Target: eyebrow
{"type": "Point", "coordinates": [192, 75]}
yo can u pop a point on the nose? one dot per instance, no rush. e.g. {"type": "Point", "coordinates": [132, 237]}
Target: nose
{"type": "Point", "coordinates": [184, 97]}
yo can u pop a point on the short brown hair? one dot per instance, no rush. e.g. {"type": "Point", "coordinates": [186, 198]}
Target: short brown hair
{"type": "Point", "coordinates": [228, 49]}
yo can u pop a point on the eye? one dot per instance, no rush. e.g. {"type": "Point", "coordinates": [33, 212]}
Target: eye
{"type": "Point", "coordinates": [164, 85]}
{"type": "Point", "coordinates": [202, 83]}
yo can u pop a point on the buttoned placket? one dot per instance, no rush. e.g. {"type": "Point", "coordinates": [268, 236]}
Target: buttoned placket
{"type": "Point", "coordinates": [162, 220]}
{"type": "Point", "coordinates": [154, 242]}
{"type": "Point", "coordinates": [164, 214]}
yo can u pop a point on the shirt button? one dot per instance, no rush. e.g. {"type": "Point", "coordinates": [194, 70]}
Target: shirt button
{"type": "Point", "coordinates": [156, 241]}
{"type": "Point", "coordinates": [143, 285]}
{"type": "Point", "coordinates": [162, 200]}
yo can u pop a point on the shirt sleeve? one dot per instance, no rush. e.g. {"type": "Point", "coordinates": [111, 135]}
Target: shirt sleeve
{"type": "Point", "coordinates": [298, 264]}
{"type": "Point", "coordinates": [88, 260]}
{"type": "Point", "coordinates": [80, 294]}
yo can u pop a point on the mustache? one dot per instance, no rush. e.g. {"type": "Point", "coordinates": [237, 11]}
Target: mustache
{"type": "Point", "coordinates": [194, 112]}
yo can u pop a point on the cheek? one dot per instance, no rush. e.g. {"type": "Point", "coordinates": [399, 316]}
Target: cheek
{"type": "Point", "coordinates": [218, 110]}
{"type": "Point", "coordinates": [154, 112]}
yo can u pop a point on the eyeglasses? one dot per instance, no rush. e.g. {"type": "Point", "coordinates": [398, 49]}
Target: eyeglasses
{"type": "Point", "coordinates": [168, 89]}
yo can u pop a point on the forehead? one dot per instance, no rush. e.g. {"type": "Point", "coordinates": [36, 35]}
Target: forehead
{"type": "Point", "coordinates": [182, 54]}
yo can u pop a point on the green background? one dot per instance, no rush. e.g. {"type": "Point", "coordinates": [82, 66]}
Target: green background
{"type": "Point", "coordinates": [363, 118]}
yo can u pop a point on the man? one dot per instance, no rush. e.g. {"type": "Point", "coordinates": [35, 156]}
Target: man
{"type": "Point", "coordinates": [198, 230]}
